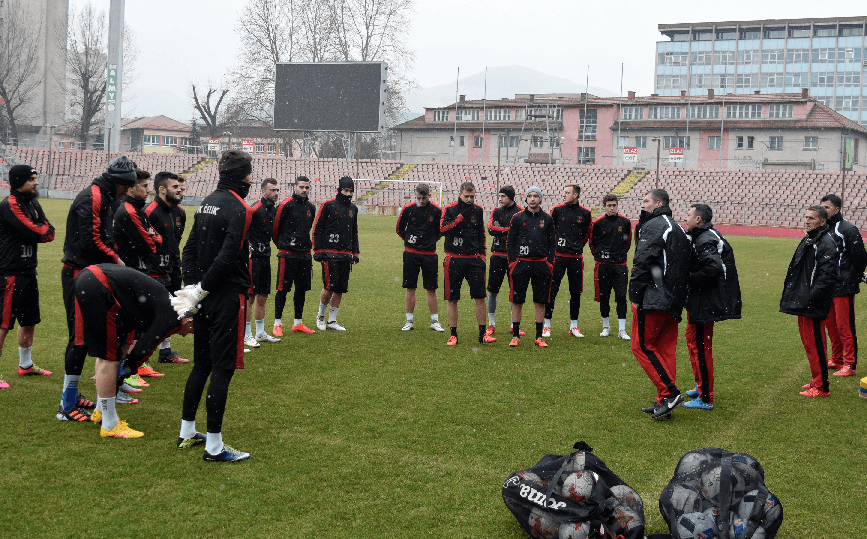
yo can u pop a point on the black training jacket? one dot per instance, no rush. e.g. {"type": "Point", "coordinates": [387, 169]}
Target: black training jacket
{"type": "Point", "coordinates": [498, 227]}
{"type": "Point", "coordinates": [610, 239]}
{"type": "Point", "coordinates": [463, 226]}
{"type": "Point", "coordinates": [419, 227]}
{"type": "Point", "coordinates": [812, 276]}
{"type": "Point", "coordinates": [135, 240]}
{"type": "Point", "coordinates": [714, 291]}
{"type": "Point", "coordinates": [531, 236]}
{"type": "Point", "coordinates": [660, 268]}
{"type": "Point", "coordinates": [164, 222]}
{"type": "Point", "coordinates": [88, 226]}
{"type": "Point", "coordinates": [260, 230]}
{"type": "Point", "coordinates": [217, 252]}
{"type": "Point", "coordinates": [23, 226]}
{"type": "Point", "coordinates": [572, 224]}
{"type": "Point", "coordinates": [335, 232]}
{"type": "Point", "coordinates": [292, 224]}
{"type": "Point", "coordinates": [853, 256]}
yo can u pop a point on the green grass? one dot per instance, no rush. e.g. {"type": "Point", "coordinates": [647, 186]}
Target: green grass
{"type": "Point", "coordinates": [381, 433]}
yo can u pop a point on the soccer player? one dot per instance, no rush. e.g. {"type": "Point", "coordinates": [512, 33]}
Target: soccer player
{"type": "Point", "coordinates": [335, 241]}
{"type": "Point", "coordinates": [531, 259]}
{"type": "Point", "coordinates": [136, 242]}
{"type": "Point", "coordinates": [88, 241]}
{"type": "Point", "coordinates": [808, 293]}
{"type": "Point", "coordinates": [498, 228]}
{"type": "Point", "coordinates": [260, 261]}
{"type": "Point", "coordinates": [714, 296]}
{"type": "Point", "coordinates": [853, 260]}
{"type": "Point", "coordinates": [463, 225]}
{"type": "Point", "coordinates": [217, 275]}
{"type": "Point", "coordinates": [419, 227]}
{"type": "Point", "coordinates": [610, 239]}
{"type": "Point", "coordinates": [116, 301]}
{"type": "Point", "coordinates": [572, 224]}
{"type": "Point", "coordinates": [657, 290]}
{"type": "Point", "coordinates": [291, 234]}
{"type": "Point", "coordinates": [163, 217]}
{"type": "Point", "coordinates": [180, 221]}
{"type": "Point", "coordinates": [23, 226]}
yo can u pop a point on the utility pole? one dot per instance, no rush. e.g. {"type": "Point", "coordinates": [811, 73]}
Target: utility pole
{"type": "Point", "coordinates": [114, 76]}
{"type": "Point", "coordinates": [658, 142]}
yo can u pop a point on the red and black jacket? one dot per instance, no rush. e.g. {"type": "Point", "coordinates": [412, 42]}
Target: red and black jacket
{"type": "Point", "coordinates": [498, 227]}
{"type": "Point", "coordinates": [335, 233]}
{"type": "Point", "coordinates": [531, 237]}
{"type": "Point", "coordinates": [161, 218]}
{"type": "Point", "coordinates": [136, 242]}
{"type": "Point", "coordinates": [419, 227]}
{"type": "Point", "coordinates": [572, 223]}
{"type": "Point", "coordinates": [610, 239]}
{"type": "Point", "coordinates": [23, 226]}
{"type": "Point", "coordinates": [88, 227]}
{"type": "Point", "coordinates": [217, 251]}
{"type": "Point", "coordinates": [463, 226]}
{"type": "Point", "coordinates": [292, 224]}
{"type": "Point", "coordinates": [260, 230]}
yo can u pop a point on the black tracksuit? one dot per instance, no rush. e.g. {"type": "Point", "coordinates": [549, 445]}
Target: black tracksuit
{"type": "Point", "coordinates": [572, 223]}
{"type": "Point", "coordinates": [136, 241]}
{"type": "Point", "coordinates": [498, 228]}
{"type": "Point", "coordinates": [419, 227]}
{"type": "Point", "coordinates": [610, 239]}
{"type": "Point", "coordinates": [23, 226]}
{"type": "Point", "coordinates": [292, 224]}
{"type": "Point", "coordinates": [531, 255]}
{"type": "Point", "coordinates": [262, 227]}
{"type": "Point", "coordinates": [463, 226]}
{"type": "Point", "coordinates": [335, 233]}
{"type": "Point", "coordinates": [164, 221]}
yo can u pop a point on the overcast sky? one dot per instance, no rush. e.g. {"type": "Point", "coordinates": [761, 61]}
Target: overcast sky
{"type": "Point", "coordinates": [181, 41]}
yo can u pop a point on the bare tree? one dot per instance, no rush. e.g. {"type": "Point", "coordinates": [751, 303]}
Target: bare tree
{"type": "Point", "coordinates": [209, 111]}
{"type": "Point", "coordinates": [21, 31]}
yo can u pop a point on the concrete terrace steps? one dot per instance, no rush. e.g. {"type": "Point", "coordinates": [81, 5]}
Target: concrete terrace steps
{"type": "Point", "coordinates": [396, 175]}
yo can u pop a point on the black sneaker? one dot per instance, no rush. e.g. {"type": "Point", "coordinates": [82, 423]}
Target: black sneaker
{"type": "Point", "coordinates": [228, 454]}
{"type": "Point", "coordinates": [668, 404]}
{"type": "Point", "coordinates": [76, 415]}
{"type": "Point", "coordinates": [652, 408]}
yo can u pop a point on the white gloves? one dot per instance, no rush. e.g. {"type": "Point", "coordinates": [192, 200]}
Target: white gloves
{"type": "Point", "coordinates": [186, 300]}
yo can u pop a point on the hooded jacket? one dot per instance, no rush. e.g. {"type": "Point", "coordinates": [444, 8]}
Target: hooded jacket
{"type": "Point", "coordinates": [660, 266]}
{"type": "Point", "coordinates": [463, 226]}
{"type": "Point", "coordinates": [23, 226]}
{"type": "Point", "coordinates": [853, 256]}
{"type": "Point", "coordinates": [812, 276]}
{"type": "Point", "coordinates": [88, 227]}
{"type": "Point", "coordinates": [292, 225]}
{"type": "Point", "coordinates": [335, 233]}
{"type": "Point", "coordinates": [714, 290]}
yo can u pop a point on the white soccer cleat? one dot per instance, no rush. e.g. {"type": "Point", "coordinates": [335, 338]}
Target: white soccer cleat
{"type": "Point", "coordinates": [575, 332]}
{"type": "Point", "coordinates": [605, 332]}
{"type": "Point", "coordinates": [546, 331]}
{"type": "Point", "coordinates": [320, 323]}
{"type": "Point", "coordinates": [623, 335]}
{"type": "Point", "coordinates": [251, 342]}
{"type": "Point", "coordinates": [264, 337]}
{"type": "Point", "coordinates": [247, 350]}
{"type": "Point", "coordinates": [436, 326]}
{"type": "Point", "coordinates": [335, 326]}
{"type": "Point", "coordinates": [406, 327]}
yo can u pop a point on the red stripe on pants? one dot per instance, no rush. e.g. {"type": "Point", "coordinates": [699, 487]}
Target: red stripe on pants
{"type": "Point", "coordinates": [812, 335]}
{"type": "Point", "coordinates": [699, 342]}
{"type": "Point", "coordinates": [242, 322]}
{"type": "Point", "coordinates": [840, 326]}
{"type": "Point", "coordinates": [8, 294]}
{"type": "Point", "coordinates": [654, 344]}
{"type": "Point", "coordinates": [598, 296]}
{"type": "Point", "coordinates": [281, 273]}
{"type": "Point", "coordinates": [447, 295]}
{"type": "Point", "coordinates": [327, 274]}
{"type": "Point", "coordinates": [111, 332]}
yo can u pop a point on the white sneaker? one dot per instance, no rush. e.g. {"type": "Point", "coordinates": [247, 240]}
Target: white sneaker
{"type": "Point", "coordinates": [251, 342]}
{"type": "Point", "coordinates": [406, 327]}
{"type": "Point", "coordinates": [605, 332]}
{"type": "Point", "coordinates": [623, 335]}
{"type": "Point", "coordinates": [436, 326]}
{"type": "Point", "coordinates": [335, 326]}
{"type": "Point", "coordinates": [264, 337]}
{"type": "Point", "coordinates": [575, 332]}
{"type": "Point", "coordinates": [247, 350]}
{"type": "Point", "coordinates": [546, 331]}
{"type": "Point", "coordinates": [320, 323]}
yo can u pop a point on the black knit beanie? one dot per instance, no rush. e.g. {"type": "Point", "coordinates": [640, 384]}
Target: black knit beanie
{"type": "Point", "coordinates": [509, 192]}
{"type": "Point", "coordinates": [19, 175]}
{"type": "Point", "coordinates": [345, 183]}
{"type": "Point", "coordinates": [121, 171]}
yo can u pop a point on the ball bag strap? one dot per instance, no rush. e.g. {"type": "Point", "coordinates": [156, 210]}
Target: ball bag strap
{"type": "Point", "coordinates": [725, 494]}
{"type": "Point", "coordinates": [757, 513]}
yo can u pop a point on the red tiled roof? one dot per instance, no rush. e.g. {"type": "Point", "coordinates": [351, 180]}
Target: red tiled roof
{"type": "Point", "coordinates": [162, 123]}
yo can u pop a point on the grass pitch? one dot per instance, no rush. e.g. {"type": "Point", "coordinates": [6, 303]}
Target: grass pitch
{"type": "Point", "coordinates": [381, 433]}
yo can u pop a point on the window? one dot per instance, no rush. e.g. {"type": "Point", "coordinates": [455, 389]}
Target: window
{"type": "Point", "coordinates": [747, 80]}
{"type": "Point", "coordinates": [170, 141]}
{"type": "Point", "coordinates": [723, 81]}
{"type": "Point", "coordinates": [749, 57]}
{"type": "Point", "coordinates": [714, 143]}
{"type": "Point", "coordinates": [440, 115]}
{"type": "Point", "coordinates": [184, 141]}
{"type": "Point", "coordinates": [632, 113]}
{"type": "Point", "coordinates": [849, 54]}
{"type": "Point", "coordinates": [664, 113]}
{"type": "Point", "coordinates": [554, 142]}
{"type": "Point", "coordinates": [775, 143]}
{"type": "Point", "coordinates": [468, 115]}
{"type": "Point", "coordinates": [586, 156]}
{"type": "Point", "coordinates": [60, 145]}
{"type": "Point", "coordinates": [826, 100]}
{"type": "Point", "coordinates": [848, 103]}
{"type": "Point", "coordinates": [703, 112]}
{"type": "Point", "coordinates": [71, 145]}
{"type": "Point", "coordinates": [641, 142]}
{"type": "Point", "coordinates": [772, 80]}
{"type": "Point", "coordinates": [823, 79]}
{"type": "Point", "coordinates": [587, 125]}
{"type": "Point", "coordinates": [750, 33]}
{"type": "Point", "coordinates": [702, 80]}
{"type": "Point", "coordinates": [151, 140]}
{"type": "Point", "coordinates": [702, 35]}
{"type": "Point", "coordinates": [773, 56]}
{"type": "Point", "coordinates": [508, 142]}
{"type": "Point", "coordinates": [726, 33]}
{"type": "Point", "coordinates": [462, 141]}
{"type": "Point", "coordinates": [796, 31]}
{"type": "Point", "coordinates": [775, 33]}
{"type": "Point", "coordinates": [537, 141]}
{"type": "Point", "coordinates": [451, 140]}
{"type": "Point", "coordinates": [670, 82]}
{"type": "Point", "coordinates": [673, 58]}
{"type": "Point", "coordinates": [260, 147]}
{"type": "Point", "coordinates": [798, 80]}
{"type": "Point", "coordinates": [825, 31]}
{"type": "Point", "coordinates": [675, 142]}
{"type": "Point", "coordinates": [224, 146]}
{"type": "Point", "coordinates": [851, 30]}
{"type": "Point", "coordinates": [272, 148]}
{"type": "Point", "coordinates": [781, 111]}
{"type": "Point", "coordinates": [811, 143]}
{"type": "Point", "coordinates": [798, 56]}
{"type": "Point", "coordinates": [850, 79]}
{"type": "Point", "coordinates": [824, 55]}
{"type": "Point", "coordinates": [497, 115]}
{"type": "Point", "coordinates": [743, 111]}
{"type": "Point", "coordinates": [542, 113]}
{"type": "Point", "coordinates": [702, 58]}
{"type": "Point", "coordinates": [478, 140]}
{"type": "Point", "coordinates": [724, 58]}
{"type": "Point", "coordinates": [622, 142]}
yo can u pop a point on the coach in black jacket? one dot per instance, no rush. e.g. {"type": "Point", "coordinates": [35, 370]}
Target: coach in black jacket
{"type": "Point", "coordinates": [714, 296]}
{"type": "Point", "coordinates": [808, 293]}
{"type": "Point", "coordinates": [215, 258]}
{"type": "Point", "coordinates": [841, 317]}
{"type": "Point", "coordinates": [657, 290]}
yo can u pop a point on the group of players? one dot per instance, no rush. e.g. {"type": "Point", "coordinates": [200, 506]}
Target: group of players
{"type": "Point", "coordinates": [121, 256]}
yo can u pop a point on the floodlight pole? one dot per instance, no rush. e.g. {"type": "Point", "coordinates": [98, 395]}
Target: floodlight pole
{"type": "Point", "coordinates": [114, 78]}
{"type": "Point", "coordinates": [658, 141]}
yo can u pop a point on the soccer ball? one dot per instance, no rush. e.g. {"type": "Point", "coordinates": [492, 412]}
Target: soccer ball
{"type": "Point", "coordinates": [711, 482]}
{"type": "Point", "coordinates": [529, 478]}
{"type": "Point", "coordinates": [691, 467]}
{"type": "Point", "coordinates": [579, 485]}
{"type": "Point", "coordinates": [772, 512]}
{"type": "Point", "coordinates": [626, 518]}
{"type": "Point", "coordinates": [542, 525]}
{"type": "Point", "coordinates": [749, 468]}
{"type": "Point", "coordinates": [737, 527]}
{"type": "Point", "coordinates": [574, 530]}
{"type": "Point", "coordinates": [683, 499]}
{"type": "Point", "coordinates": [696, 526]}
{"type": "Point", "coordinates": [576, 463]}
{"type": "Point", "coordinates": [628, 497]}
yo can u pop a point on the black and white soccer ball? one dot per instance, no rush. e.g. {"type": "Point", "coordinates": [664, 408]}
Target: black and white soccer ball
{"type": "Point", "coordinates": [691, 467]}
{"type": "Point", "coordinates": [696, 526]}
{"type": "Point", "coordinates": [542, 525]}
{"type": "Point", "coordinates": [529, 478]}
{"type": "Point", "coordinates": [772, 512]}
{"type": "Point", "coordinates": [576, 463]}
{"type": "Point", "coordinates": [711, 481]}
{"type": "Point", "coordinates": [749, 468]}
{"type": "Point", "coordinates": [574, 530]}
{"type": "Point", "coordinates": [682, 498]}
